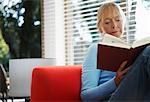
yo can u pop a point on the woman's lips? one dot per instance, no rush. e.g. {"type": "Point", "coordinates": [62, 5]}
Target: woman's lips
{"type": "Point", "coordinates": [114, 32]}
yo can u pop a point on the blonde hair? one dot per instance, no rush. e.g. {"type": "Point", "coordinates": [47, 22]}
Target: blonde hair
{"type": "Point", "coordinates": [104, 7]}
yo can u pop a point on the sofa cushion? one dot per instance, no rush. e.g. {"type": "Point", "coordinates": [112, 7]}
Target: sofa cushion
{"type": "Point", "coordinates": [56, 83]}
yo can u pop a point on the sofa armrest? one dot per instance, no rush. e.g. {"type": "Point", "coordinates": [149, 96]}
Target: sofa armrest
{"type": "Point", "coordinates": [56, 83]}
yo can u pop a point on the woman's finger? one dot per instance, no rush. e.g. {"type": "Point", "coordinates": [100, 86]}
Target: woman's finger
{"type": "Point", "coordinates": [125, 71]}
{"type": "Point", "coordinates": [122, 66]}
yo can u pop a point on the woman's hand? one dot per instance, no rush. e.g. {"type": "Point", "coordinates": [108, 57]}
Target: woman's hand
{"type": "Point", "coordinates": [121, 73]}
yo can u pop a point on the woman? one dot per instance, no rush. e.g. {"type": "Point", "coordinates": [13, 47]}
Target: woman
{"type": "Point", "coordinates": [101, 85]}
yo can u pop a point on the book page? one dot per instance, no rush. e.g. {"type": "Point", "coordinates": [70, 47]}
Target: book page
{"type": "Point", "coordinates": [114, 41]}
{"type": "Point", "coordinates": [115, 45]}
{"type": "Point", "coordinates": [141, 42]}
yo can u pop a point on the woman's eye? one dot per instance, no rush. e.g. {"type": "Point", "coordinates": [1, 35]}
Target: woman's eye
{"type": "Point", "coordinates": [107, 22]}
{"type": "Point", "coordinates": [117, 19]}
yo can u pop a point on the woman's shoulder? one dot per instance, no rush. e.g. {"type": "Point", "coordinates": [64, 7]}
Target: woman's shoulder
{"type": "Point", "coordinates": [93, 45]}
{"type": "Point", "coordinates": [92, 48]}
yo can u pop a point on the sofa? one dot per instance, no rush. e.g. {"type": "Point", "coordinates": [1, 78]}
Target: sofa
{"type": "Point", "coordinates": [56, 84]}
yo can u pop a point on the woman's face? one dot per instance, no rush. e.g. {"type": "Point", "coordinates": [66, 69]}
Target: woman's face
{"type": "Point", "coordinates": [112, 22]}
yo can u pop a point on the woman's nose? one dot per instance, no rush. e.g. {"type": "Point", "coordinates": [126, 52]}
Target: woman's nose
{"type": "Point", "coordinates": [114, 24]}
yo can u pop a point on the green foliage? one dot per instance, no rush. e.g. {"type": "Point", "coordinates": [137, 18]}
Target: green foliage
{"type": "Point", "coordinates": [4, 49]}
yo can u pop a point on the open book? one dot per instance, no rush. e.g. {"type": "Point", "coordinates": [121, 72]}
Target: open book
{"type": "Point", "coordinates": [112, 51]}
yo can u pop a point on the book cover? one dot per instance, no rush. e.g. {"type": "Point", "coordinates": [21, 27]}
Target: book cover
{"type": "Point", "coordinates": [113, 51]}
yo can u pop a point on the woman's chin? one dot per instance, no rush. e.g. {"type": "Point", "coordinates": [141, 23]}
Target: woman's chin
{"type": "Point", "coordinates": [116, 34]}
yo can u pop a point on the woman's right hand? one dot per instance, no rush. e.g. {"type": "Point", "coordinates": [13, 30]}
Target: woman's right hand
{"type": "Point", "coordinates": [121, 73]}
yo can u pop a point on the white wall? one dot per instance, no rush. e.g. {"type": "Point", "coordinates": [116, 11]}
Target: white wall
{"type": "Point", "coordinates": [53, 30]}
{"type": "Point", "coordinates": [59, 29]}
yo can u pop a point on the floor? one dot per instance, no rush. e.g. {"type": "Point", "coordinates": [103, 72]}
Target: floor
{"type": "Point", "coordinates": [15, 100]}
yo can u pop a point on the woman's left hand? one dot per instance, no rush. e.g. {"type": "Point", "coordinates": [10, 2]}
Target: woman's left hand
{"type": "Point", "coordinates": [121, 73]}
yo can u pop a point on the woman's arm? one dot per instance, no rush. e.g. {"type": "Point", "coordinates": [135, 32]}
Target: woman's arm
{"type": "Point", "coordinates": [90, 78]}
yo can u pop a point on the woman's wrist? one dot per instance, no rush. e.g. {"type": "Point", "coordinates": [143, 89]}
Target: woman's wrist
{"type": "Point", "coordinates": [117, 81]}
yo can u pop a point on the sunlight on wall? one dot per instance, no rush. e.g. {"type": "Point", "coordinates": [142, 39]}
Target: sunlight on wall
{"type": "Point", "coordinates": [142, 19]}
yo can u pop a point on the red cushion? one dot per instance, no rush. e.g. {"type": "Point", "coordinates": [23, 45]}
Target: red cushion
{"type": "Point", "coordinates": [56, 83]}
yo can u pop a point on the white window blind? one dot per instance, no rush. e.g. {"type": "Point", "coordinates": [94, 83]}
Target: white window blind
{"type": "Point", "coordinates": [131, 20]}
{"type": "Point", "coordinates": [80, 26]}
